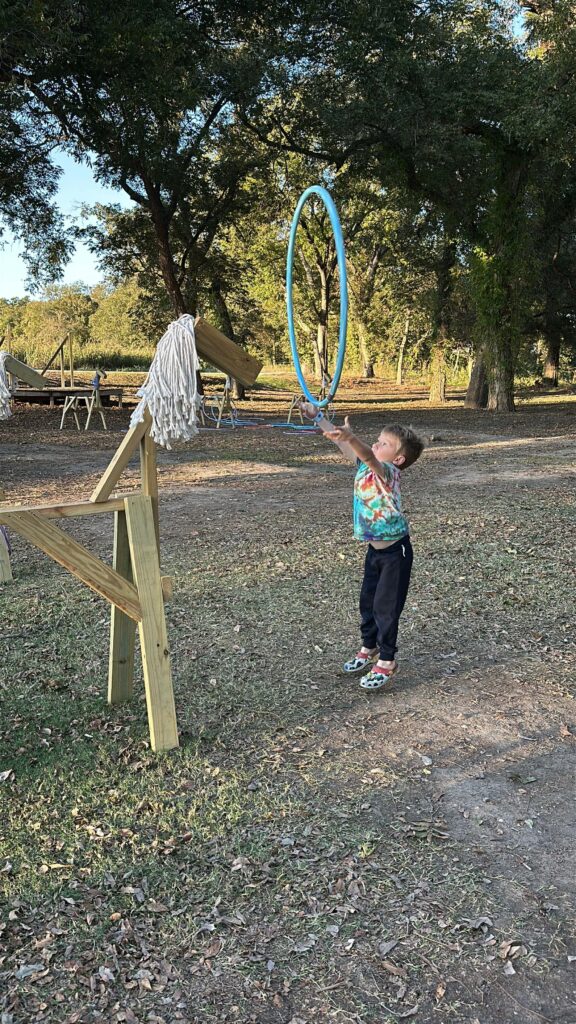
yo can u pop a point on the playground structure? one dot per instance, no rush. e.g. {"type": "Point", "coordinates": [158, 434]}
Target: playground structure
{"type": "Point", "coordinates": [70, 390]}
{"type": "Point", "coordinates": [133, 585]}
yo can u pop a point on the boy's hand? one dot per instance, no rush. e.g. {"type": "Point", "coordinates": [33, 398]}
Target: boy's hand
{"type": "Point", "coordinates": [339, 434]}
{"type": "Point", "coordinates": [308, 409]}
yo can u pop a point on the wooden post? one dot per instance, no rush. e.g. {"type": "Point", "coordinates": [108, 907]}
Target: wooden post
{"type": "Point", "coordinates": [150, 478]}
{"type": "Point", "coordinates": [152, 625]}
{"type": "Point", "coordinates": [71, 357]}
{"type": "Point", "coordinates": [5, 568]}
{"type": "Point", "coordinates": [8, 347]}
{"type": "Point", "coordinates": [62, 371]}
{"type": "Point", "coordinates": [122, 627]}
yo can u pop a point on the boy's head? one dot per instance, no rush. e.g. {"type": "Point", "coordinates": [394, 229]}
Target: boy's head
{"type": "Point", "coordinates": [399, 445]}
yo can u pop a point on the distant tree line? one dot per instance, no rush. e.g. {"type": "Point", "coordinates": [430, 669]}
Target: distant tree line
{"type": "Point", "coordinates": [445, 131]}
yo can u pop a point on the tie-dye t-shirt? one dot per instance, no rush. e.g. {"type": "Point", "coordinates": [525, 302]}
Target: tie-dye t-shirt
{"type": "Point", "coordinates": [377, 504]}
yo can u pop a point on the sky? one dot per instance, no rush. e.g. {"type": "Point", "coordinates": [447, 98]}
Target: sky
{"type": "Point", "coordinates": [77, 186]}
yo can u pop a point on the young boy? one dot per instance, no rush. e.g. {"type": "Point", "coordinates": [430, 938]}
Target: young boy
{"type": "Point", "coordinates": [378, 519]}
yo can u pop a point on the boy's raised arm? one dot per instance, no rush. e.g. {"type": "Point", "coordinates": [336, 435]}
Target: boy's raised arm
{"type": "Point", "coordinates": [361, 450]}
{"type": "Point", "coordinates": [327, 428]}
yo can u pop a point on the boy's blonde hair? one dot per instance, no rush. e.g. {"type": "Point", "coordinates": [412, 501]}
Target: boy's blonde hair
{"type": "Point", "coordinates": [411, 446]}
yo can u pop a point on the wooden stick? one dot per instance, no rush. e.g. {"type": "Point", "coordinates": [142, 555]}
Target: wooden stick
{"type": "Point", "coordinates": [80, 562]}
{"type": "Point", "coordinates": [124, 453]}
{"type": "Point", "coordinates": [122, 628]}
{"type": "Point", "coordinates": [5, 568]}
{"type": "Point", "coordinates": [68, 511]}
{"type": "Point", "coordinates": [150, 478]}
{"type": "Point", "coordinates": [152, 626]}
{"type": "Point", "coordinates": [56, 352]}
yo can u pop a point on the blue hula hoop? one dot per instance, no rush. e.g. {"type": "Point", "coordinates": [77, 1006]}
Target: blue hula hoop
{"type": "Point", "coordinates": [326, 198]}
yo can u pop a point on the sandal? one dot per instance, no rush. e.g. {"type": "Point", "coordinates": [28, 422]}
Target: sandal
{"type": "Point", "coordinates": [360, 662]}
{"type": "Point", "coordinates": [378, 677]}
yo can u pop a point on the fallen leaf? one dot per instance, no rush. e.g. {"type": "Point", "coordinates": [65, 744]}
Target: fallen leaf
{"type": "Point", "coordinates": [27, 970]}
{"type": "Point", "coordinates": [399, 972]}
{"type": "Point", "coordinates": [386, 947]}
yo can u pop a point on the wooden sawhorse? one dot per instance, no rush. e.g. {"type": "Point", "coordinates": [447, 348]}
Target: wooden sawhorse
{"type": "Point", "coordinates": [92, 402]}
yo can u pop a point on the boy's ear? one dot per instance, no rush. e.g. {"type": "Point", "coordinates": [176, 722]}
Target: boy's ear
{"type": "Point", "coordinates": [399, 461]}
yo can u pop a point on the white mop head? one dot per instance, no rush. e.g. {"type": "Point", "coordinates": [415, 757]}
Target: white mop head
{"type": "Point", "coordinates": [170, 391]}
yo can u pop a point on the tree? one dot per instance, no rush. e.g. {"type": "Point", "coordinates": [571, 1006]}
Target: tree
{"type": "Point", "coordinates": [146, 91]}
{"type": "Point", "coordinates": [126, 321]}
{"type": "Point", "coordinates": [441, 99]}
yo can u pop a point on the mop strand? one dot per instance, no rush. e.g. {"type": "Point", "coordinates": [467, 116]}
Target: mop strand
{"type": "Point", "coordinates": [5, 393]}
{"type": "Point", "coordinates": [170, 391]}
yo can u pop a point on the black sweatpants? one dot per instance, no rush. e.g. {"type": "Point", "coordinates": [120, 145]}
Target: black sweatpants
{"type": "Point", "coordinates": [383, 595]}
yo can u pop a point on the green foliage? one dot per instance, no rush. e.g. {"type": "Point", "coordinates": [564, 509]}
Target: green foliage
{"type": "Point", "coordinates": [433, 126]}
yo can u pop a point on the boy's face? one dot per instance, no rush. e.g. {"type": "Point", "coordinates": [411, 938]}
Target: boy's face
{"type": "Point", "coordinates": [386, 449]}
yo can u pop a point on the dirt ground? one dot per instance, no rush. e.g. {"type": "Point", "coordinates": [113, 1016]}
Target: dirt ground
{"type": "Point", "coordinates": [408, 855]}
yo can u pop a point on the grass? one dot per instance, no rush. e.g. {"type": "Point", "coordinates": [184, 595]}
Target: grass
{"type": "Point", "coordinates": [273, 869]}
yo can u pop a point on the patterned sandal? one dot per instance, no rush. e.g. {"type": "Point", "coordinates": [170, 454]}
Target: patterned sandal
{"type": "Point", "coordinates": [378, 677]}
{"type": "Point", "coordinates": [360, 662]}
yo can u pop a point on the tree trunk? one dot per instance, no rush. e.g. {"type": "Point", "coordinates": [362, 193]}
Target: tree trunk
{"type": "Point", "coordinates": [438, 375]}
{"type": "Point", "coordinates": [367, 363]}
{"type": "Point", "coordinates": [400, 365]}
{"type": "Point", "coordinates": [477, 393]}
{"type": "Point", "coordinates": [161, 223]}
{"type": "Point", "coordinates": [441, 331]}
{"type": "Point", "coordinates": [501, 384]}
{"type": "Point", "coordinates": [321, 347]}
{"type": "Point", "coordinates": [552, 360]}
{"type": "Point", "coordinates": [237, 389]}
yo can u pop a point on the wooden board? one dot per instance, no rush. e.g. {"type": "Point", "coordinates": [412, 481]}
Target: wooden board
{"type": "Point", "coordinates": [5, 568]}
{"type": "Point", "coordinates": [77, 559]}
{"type": "Point", "coordinates": [152, 626]}
{"type": "Point", "coordinates": [124, 453]}
{"type": "Point", "coordinates": [122, 628]}
{"type": "Point", "coordinates": [25, 372]}
{"type": "Point", "coordinates": [219, 351]}
{"type": "Point", "coordinates": [69, 510]}
{"type": "Point", "coordinates": [149, 474]}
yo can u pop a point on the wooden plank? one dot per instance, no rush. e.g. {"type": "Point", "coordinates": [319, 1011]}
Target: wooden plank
{"type": "Point", "coordinates": [67, 511]}
{"type": "Point", "coordinates": [122, 628]}
{"type": "Point", "coordinates": [152, 625]}
{"type": "Point", "coordinates": [149, 473]}
{"type": "Point", "coordinates": [5, 567]}
{"type": "Point", "coordinates": [77, 559]}
{"type": "Point", "coordinates": [56, 352]}
{"type": "Point", "coordinates": [218, 350]}
{"type": "Point", "coordinates": [25, 372]}
{"type": "Point", "coordinates": [124, 453]}
{"type": "Point", "coordinates": [71, 358]}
